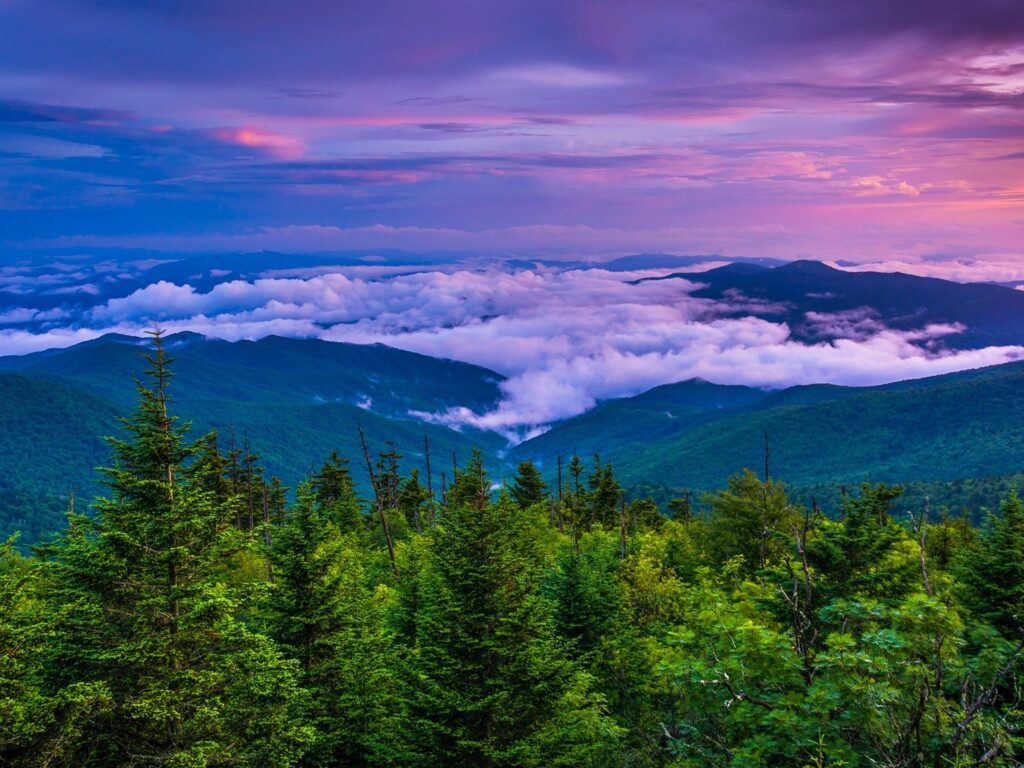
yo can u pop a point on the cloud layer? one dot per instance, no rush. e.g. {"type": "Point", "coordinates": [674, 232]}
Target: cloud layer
{"type": "Point", "coordinates": [565, 338]}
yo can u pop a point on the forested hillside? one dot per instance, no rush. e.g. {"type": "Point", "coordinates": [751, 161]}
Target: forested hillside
{"type": "Point", "coordinates": [199, 618]}
{"type": "Point", "coordinates": [956, 438]}
{"type": "Point", "coordinates": [939, 430]}
{"type": "Point", "coordinates": [291, 401]}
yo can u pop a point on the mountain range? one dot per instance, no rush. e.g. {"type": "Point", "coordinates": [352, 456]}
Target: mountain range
{"type": "Point", "coordinates": [821, 303]}
{"type": "Point", "coordinates": [295, 400]}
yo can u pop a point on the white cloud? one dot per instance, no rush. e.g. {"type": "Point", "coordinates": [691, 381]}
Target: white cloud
{"type": "Point", "coordinates": [564, 338]}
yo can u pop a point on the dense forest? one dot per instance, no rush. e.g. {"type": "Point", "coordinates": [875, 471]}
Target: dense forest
{"type": "Point", "coordinates": [201, 614]}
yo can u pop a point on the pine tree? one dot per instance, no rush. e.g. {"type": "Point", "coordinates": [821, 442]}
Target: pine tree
{"type": "Point", "coordinates": [855, 551]}
{"type": "Point", "coordinates": [36, 728]}
{"type": "Point", "coordinates": [277, 500]}
{"type": "Point", "coordinates": [992, 572]}
{"type": "Point", "coordinates": [528, 487]}
{"type": "Point", "coordinates": [590, 614]}
{"type": "Point", "coordinates": [605, 496]}
{"type": "Point", "coordinates": [490, 685]}
{"type": "Point", "coordinates": [335, 494]}
{"type": "Point", "coordinates": [326, 615]}
{"type": "Point", "coordinates": [413, 502]}
{"type": "Point", "coordinates": [577, 510]}
{"type": "Point", "coordinates": [752, 519]}
{"type": "Point", "coordinates": [144, 610]}
{"type": "Point", "coordinates": [470, 485]}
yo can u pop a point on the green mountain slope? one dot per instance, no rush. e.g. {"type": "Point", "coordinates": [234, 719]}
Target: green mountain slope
{"type": "Point", "coordinates": [295, 400]}
{"type": "Point", "coordinates": [654, 415]}
{"type": "Point", "coordinates": [939, 429]}
{"type": "Point", "coordinates": [50, 445]}
{"type": "Point", "coordinates": [390, 381]}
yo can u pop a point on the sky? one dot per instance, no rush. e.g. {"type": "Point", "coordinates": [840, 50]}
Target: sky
{"type": "Point", "coordinates": [864, 130]}
{"type": "Point", "coordinates": [404, 162]}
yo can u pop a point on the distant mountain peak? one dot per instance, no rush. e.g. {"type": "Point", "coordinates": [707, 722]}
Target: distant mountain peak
{"type": "Point", "coordinates": [807, 267]}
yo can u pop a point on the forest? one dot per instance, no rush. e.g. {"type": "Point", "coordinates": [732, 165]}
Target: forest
{"type": "Point", "coordinates": [200, 613]}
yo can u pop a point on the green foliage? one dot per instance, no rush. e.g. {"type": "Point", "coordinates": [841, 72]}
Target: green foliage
{"type": "Point", "coordinates": [489, 683]}
{"type": "Point", "coordinates": [36, 728]}
{"type": "Point", "coordinates": [751, 519]}
{"type": "Point", "coordinates": [992, 571]}
{"type": "Point", "coordinates": [860, 555]}
{"type": "Point", "coordinates": [327, 615]}
{"type": "Point", "coordinates": [145, 614]}
{"type": "Point", "coordinates": [528, 486]}
{"type": "Point", "coordinates": [201, 618]}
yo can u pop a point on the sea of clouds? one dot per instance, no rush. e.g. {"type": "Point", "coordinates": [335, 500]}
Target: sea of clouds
{"type": "Point", "coordinates": [564, 338]}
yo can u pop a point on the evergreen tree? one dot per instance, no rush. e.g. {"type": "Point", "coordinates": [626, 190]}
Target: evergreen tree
{"type": "Point", "coordinates": [605, 496]}
{"type": "Point", "coordinates": [490, 685]}
{"type": "Point", "coordinates": [855, 552]}
{"type": "Point", "coordinates": [470, 485]}
{"type": "Point", "coordinates": [413, 502]}
{"type": "Point", "coordinates": [590, 614]}
{"type": "Point", "coordinates": [36, 728]}
{"type": "Point", "coordinates": [277, 500]}
{"type": "Point", "coordinates": [752, 519]}
{"type": "Point", "coordinates": [145, 611]}
{"type": "Point", "coordinates": [528, 487]}
{"type": "Point", "coordinates": [992, 572]}
{"type": "Point", "coordinates": [335, 495]}
{"type": "Point", "coordinates": [326, 615]}
{"type": "Point", "coordinates": [576, 509]}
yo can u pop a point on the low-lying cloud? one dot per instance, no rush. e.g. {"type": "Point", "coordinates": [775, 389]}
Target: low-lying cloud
{"type": "Point", "coordinates": [564, 338]}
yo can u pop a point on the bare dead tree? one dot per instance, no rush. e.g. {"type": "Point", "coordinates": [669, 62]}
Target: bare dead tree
{"type": "Point", "coordinates": [767, 476]}
{"type": "Point", "coordinates": [920, 525]}
{"type": "Point", "coordinates": [267, 537]}
{"type": "Point", "coordinates": [622, 525]}
{"type": "Point", "coordinates": [430, 479]}
{"type": "Point", "coordinates": [985, 698]}
{"type": "Point", "coordinates": [801, 596]}
{"type": "Point", "coordinates": [379, 502]}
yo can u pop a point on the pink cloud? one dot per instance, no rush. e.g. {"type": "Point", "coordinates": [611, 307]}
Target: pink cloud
{"type": "Point", "coordinates": [274, 144]}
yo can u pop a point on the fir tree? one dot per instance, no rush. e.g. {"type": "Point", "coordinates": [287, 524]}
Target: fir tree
{"type": "Point", "coordinates": [992, 572]}
{"type": "Point", "coordinates": [413, 502]}
{"type": "Point", "coordinates": [327, 616]}
{"type": "Point", "coordinates": [145, 611]}
{"type": "Point", "coordinates": [490, 684]}
{"type": "Point", "coordinates": [470, 485]}
{"type": "Point", "coordinates": [334, 493]}
{"type": "Point", "coordinates": [605, 496]}
{"type": "Point", "coordinates": [37, 728]}
{"type": "Point", "coordinates": [752, 519]}
{"type": "Point", "coordinates": [528, 487]}
{"type": "Point", "coordinates": [855, 551]}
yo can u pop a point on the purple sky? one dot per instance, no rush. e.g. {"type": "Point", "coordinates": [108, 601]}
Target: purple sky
{"type": "Point", "coordinates": [860, 129]}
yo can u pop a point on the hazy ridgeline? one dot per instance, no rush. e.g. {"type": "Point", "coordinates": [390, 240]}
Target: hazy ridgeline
{"type": "Point", "coordinates": [198, 617]}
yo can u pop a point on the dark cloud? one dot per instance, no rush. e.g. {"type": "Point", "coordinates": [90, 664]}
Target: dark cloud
{"type": "Point", "coordinates": [14, 111]}
{"type": "Point", "coordinates": [305, 93]}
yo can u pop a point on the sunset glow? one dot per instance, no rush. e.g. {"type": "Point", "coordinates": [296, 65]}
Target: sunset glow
{"type": "Point", "coordinates": [871, 132]}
